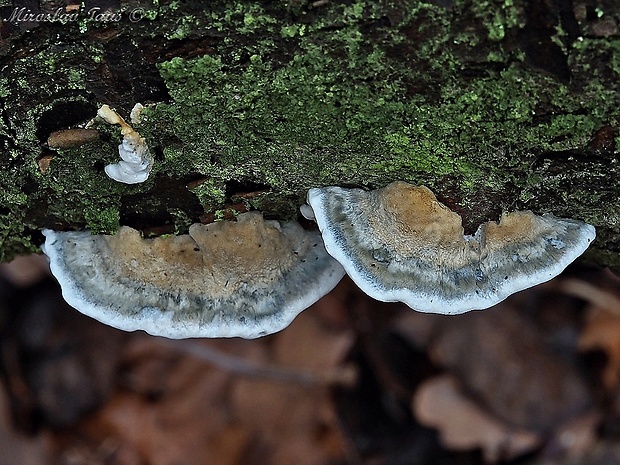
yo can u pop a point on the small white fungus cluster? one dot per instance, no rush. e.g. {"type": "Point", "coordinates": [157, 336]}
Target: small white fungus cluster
{"type": "Point", "coordinates": [136, 161]}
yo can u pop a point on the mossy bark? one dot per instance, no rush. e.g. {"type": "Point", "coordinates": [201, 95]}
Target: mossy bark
{"type": "Point", "coordinates": [494, 104]}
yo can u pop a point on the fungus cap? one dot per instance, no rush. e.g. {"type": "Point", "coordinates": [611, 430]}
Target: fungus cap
{"type": "Point", "coordinates": [247, 278]}
{"type": "Point", "coordinates": [400, 244]}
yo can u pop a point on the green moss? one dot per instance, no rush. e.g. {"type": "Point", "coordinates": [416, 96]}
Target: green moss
{"type": "Point", "coordinates": [78, 192]}
{"type": "Point", "coordinates": [498, 16]}
{"type": "Point", "coordinates": [102, 220]}
{"type": "Point", "coordinates": [237, 17]}
{"type": "Point", "coordinates": [183, 27]}
{"type": "Point", "coordinates": [412, 151]}
{"type": "Point", "coordinates": [153, 9]}
{"type": "Point", "coordinates": [292, 95]}
{"type": "Point", "coordinates": [14, 237]}
{"type": "Point", "coordinates": [293, 30]}
{"type": "Point", "coordinates": [182, 222]}
{"type": "Point", "coordinates": [11, 195]}
{"type": "Point", "coordinates": [61, 72]}
{"type": "Point", "coordinates": [219, 215]}
{"type": "Point", "coordinates": [210, 194]}
{"type": "Point", "coordinates": [603, 53]}
{"type": "Point", "coordinates": [4, 87]}
{"type": "Point", "coordinates": [348, 115]}
{"type": "Point", "coordinates": [370, 133]}
{"type": "Point", "coordinates": [61, 62]}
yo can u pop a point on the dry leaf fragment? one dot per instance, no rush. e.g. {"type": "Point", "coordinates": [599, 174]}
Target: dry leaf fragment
{"type": "Point", "coordinates": [602, 332]}
{"type": "Point", "coordinates": [463, 425]}
{"type": "Point", "coordinates": [293, 423]}
{"type": "Point", "coordinates": [502, 358]}
{"type": "Point", "coordinates": [71, 138]}
{"type": "Point", "coordinates": [25, 270]}
{"type": "Point", "coordinates": [44, 163]}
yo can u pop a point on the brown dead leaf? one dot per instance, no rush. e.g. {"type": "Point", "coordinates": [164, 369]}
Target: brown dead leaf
{"type": "Point", "coordinates": [185, 411]}
{"type": "Point", "coordinates": [232, 444]}
{"type": "Point", "coordinates": [602, 332]}
{"type": "Point", "coordinates": [418, 328]}
{"type": "Point", "coordinates": [502, 358]}
{"type": "Point", "coordinates": [177, 413]}
{"type": "Point", "coordinates": [16, 448]}
{"type": "Point", "coordinates": [463, 425]}
{"type": "Point", "coordinates": [25, 270]}
{"type": "Point", "coordinates": [70, 138]}
{"type": "Point", "coordinates": [188, 426]}
{"type": "Point", "coordinates": [332, 310]}
{"type": "Point", "coordinates": [309, 344]}
{"type": "Point", "coordinates": [44, 163]}
{"type": "Point", "coordinates": [577, 437]}
{"type": "Point", "coordinates": [604, 293]}
{"type": "Point", "coordinates": [109, 452]}
{"type": "Point", "coordinates": [296, 424]}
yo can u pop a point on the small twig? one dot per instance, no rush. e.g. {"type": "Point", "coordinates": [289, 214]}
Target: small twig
{"type": "Point", "coordinates": [590, 293]}
{"type": "Point", "coordinates": [342, 376]}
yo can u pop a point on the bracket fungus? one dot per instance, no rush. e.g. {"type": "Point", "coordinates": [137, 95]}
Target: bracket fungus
{"type": "Point", "coordinates": [246, 278]}
{"type": "Point", "coordinates": [136, 161]}
{"type": "Point", "coordinates": [400, 244]}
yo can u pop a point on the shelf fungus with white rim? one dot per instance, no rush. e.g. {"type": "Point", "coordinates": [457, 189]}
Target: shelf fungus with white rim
{"type": "Point", "coordinates": [399, 243]}
{"type": "Point", "coordinates": [246, 278]}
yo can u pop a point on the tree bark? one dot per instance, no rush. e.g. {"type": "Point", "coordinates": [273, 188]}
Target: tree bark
{"type": "Point", "coordinates": [495, 105]}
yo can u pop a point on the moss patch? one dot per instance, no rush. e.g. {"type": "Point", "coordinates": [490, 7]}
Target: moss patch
{"type": "Point", "coordinates": [292, 95]}
{"type": "Point", "coordinates": [343, 110]}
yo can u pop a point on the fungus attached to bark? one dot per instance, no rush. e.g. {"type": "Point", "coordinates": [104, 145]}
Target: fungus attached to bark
{"type": "Point", "coordinates": [246, 278]}
{"type": "Point", "coordinates": [136, 160]}
{"type": "Point", "coordinates": [400, 244]}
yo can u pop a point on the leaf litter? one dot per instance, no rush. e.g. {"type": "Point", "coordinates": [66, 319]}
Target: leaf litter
{"type": "Point", "coordinates": [351, 381]}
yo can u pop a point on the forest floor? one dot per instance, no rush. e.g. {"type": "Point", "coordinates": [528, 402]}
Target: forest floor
{"type": "Point", "coordinates": [535, 380]}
